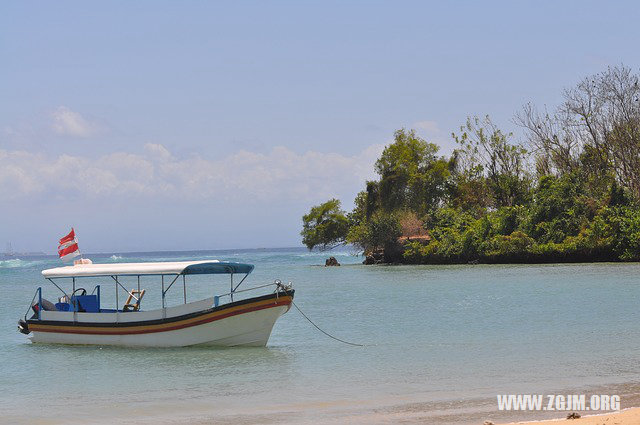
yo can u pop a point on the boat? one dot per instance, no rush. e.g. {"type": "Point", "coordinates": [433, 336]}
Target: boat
{"type": "Point", "coordinates": [9, 252]}
{"type": "Point", "coordinates": [233, 318]}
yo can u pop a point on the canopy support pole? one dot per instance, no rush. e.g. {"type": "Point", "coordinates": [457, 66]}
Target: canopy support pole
{"type": "Point", "coordinates": [184, 287]}
{"type": "Point", "coordinates": [74, 302]}
{"type": "Point", "coordinates": [231, 286]}
{"type": "Point", "coordinates": [117, 283]}
{"type": "Point", "coordinates": [125, 289]}
{"type": "Point", "coordinates": [170, 285]}
{"type": "Point", "coordinates": [61, 290]}
{"type": "Point", "coordinates": [245, 276]}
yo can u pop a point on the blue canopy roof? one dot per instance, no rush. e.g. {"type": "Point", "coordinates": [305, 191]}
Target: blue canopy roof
{"type": "Point", "coordinates": [221, 267]}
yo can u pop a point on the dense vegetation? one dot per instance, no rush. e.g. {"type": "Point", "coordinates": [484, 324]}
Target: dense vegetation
{"type": "Point", "coordinates": [568, 192]}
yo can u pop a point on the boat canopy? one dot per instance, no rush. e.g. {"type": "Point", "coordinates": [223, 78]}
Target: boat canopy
{"type": "Point", "coordinates": [151, 268]}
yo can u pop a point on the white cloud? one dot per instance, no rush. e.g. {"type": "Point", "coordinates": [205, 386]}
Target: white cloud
{"type": "Point", "coordinates": [69, 123]}
{"type": "Point", "coordinates": [280, 175]}
{"type": "Point", "coordinates": [157, 151]}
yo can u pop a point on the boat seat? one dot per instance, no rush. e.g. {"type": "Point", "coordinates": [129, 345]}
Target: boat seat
{"type": "Point", "coordinates": [128, 305]}
{"type": "Point", "coordinates": [88, 303]}
{"type": "Point", "coordinates": [45, 304]}
{"type": "Point", "coordinates": [63, 306]}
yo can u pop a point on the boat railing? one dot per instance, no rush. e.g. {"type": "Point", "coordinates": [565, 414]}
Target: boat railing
{"type": "Point", "coordinates": [97, 288]}
{"type": "Point", "coordinates": [216, 299]}
{"type": "Point", "coordinates": [39, 295]}
{"type": "Point", "coordinates": [277, 284]}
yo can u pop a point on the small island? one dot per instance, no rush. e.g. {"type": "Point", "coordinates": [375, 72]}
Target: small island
{"type": "Point", "coordinates": [567, 192]}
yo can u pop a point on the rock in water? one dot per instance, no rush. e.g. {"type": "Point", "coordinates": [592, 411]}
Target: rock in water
{"type": "Point", "coordinates": [374, 257]}
{"type": "Point", "coordinates": [331, 261]}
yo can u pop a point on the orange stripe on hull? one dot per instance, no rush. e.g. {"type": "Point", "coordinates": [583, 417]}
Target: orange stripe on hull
{"type": "Point", "coordinates": [162, 327]}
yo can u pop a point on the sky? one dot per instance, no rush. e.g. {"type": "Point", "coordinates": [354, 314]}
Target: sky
{"type": "Point", "coordinates": [166, 125]}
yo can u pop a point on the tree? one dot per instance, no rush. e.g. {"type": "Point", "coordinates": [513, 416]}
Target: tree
{"type": "Point", "coordinates": [486, 151]}
{"type": "Point", "coordinates": [483, 202]}
{"type": "Point", "coordinates": [325, 226]}
{"type": "Point", "coordinates": [552, 139]}
{"type": "Point", "coordinates": [561, 208]}
{"type": "Point", "coordinates": [411, 174]}
{"type": "Point", "coordinates": [596, 130]}
{"type": "Point", "coordinates": [380, 232]}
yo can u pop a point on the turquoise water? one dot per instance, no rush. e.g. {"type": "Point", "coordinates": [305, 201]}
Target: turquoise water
{"type": "Point", "coordinates": [440, 343]}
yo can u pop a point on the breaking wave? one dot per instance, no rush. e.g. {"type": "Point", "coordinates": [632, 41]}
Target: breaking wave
{"type": "Point", "coordinates": [327, 254]}
{"type": "Point", "coordinates": [16, 263]}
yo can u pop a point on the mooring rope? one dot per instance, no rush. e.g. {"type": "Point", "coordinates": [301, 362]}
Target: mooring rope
{"type": "Point", "coordinates": [318, 328]}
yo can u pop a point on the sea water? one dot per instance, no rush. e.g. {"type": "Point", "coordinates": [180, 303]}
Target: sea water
{"type": "Point", "coordinates": [440, 342]}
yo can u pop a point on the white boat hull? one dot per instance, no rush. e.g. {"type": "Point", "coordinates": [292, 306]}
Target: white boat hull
{"type": "Point", "coordinates": [246, 324]}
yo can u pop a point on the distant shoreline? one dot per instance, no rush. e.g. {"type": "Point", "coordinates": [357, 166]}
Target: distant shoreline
{"type": "Point", "coordinates": [161, 251]}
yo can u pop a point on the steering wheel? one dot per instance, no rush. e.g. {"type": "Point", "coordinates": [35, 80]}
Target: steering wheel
{"type": "Point", "coordinates": [82, 293]}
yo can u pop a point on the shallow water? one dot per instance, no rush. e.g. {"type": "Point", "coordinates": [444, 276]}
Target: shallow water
{"type": "Point", "coordinates": [440, 343]}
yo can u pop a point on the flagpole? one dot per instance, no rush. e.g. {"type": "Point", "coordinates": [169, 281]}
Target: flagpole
{"type": "Point", "coordinates": [76, 237]}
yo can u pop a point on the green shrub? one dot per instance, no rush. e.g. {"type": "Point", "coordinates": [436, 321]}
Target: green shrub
{"type": "Point", "coordinates": [514, 247]}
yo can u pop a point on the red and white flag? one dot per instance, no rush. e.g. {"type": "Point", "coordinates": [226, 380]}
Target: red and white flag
{"type": "Point", "coordinates": [68, 247]}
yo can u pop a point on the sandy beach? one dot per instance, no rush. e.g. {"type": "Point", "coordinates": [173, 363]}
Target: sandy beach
{"type": "Point", "coordinates": [625, 417]}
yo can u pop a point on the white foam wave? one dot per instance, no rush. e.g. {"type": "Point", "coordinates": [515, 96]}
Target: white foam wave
{"type": "Point", "coordinates": [327, 254]}
{"type": "Point", "coordinates": [16, 263]}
